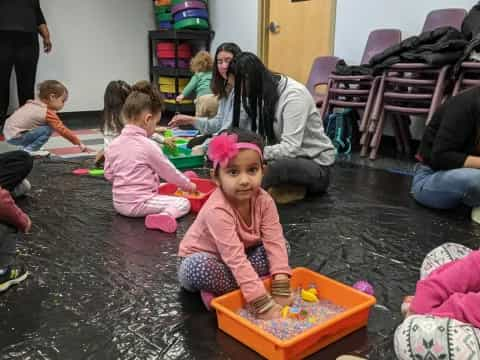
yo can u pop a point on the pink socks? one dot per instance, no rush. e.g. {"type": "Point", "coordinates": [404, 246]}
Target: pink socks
{"type": "Point", "coordinates": [164, 221]}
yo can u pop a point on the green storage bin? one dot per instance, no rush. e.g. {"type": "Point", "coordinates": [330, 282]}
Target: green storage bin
{"type": "Point", "coordinates": [191, 23]}
{"type": "Point", "coordinates": [164, 17]}
{"type": "Point", "coordinates": [163, 9]}
{"type": "Point", "coordinates": [183, 158]}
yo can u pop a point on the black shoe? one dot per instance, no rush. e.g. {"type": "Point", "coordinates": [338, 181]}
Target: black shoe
{"type": "Point", "coordinates": [15, 275]}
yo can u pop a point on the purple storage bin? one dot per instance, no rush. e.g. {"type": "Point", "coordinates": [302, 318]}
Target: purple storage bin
{"type": "Point", "coordinates": [188, 5]}
{"type": "Point", "coordinates": [164, 25]}
{"type": "Point", "coordinates": [192, 13]}
{"type": "Point", "coordinates": [182, 63]}
{"type": "Point", "coordinates": [169, 95]}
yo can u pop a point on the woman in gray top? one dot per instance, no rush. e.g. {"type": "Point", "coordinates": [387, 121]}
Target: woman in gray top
{"type": "Point", "coordinates": [221, 88]}
{"type": "Point", "coordinates": [299, 154]}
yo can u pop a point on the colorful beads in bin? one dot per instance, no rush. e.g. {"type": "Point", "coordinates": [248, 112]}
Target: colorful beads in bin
{"type": "Point", "coordinates": [340, 311]}
{"type": "Point", "coordinates": [205, 188]}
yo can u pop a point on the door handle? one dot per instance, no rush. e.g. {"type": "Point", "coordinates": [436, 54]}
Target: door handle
{"type": "Point", "coordinates": [273, 27]}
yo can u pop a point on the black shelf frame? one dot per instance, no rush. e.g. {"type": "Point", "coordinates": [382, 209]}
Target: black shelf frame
{"type": "Point", "coordinates": [156, 70]}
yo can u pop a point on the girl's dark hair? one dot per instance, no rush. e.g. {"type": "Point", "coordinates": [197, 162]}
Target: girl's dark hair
{"type": "Point", "coordinates": [144, 97]}
{"type": "Point", "coordinates": [51, 87]}
{"type": "Point", "coordinates": [256, 89]}
{"type": "Point", "coordinates": [115, 95]}
{"type": "Point", "coordinates": [218, 84]}
{"type": "Point", "coordinates": [245, 136]}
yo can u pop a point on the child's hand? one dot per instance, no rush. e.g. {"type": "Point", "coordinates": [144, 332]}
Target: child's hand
{"type": "Point", "coordinates": [283, 300]}
{"type": "Point", "coordinates": [281, 291]}
{"type": "Point", "coordinates": [82, 147]}
{"type": "Point", "coordinates": [29, 225]}
{"type": "Point", "coordinates": [99, 158]}
{"type": "Point", "coordinates": [274, 313]}
{"type": "Point", "coordinates": [198, 150]}
{"type": "Point", "coordinates": [193, 188]}
{"type": "Point", "coordinates": [405, 308]}
{"type": "Point", "coordinates": [169, 142]}
{"type": "Point", "coordinates": [180, 98]}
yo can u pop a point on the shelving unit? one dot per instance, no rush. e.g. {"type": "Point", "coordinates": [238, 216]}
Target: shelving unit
{"type": "Point", "coordinates": [200, 39]}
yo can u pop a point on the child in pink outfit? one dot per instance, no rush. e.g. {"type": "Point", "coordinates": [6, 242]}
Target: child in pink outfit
{"type": "Point", "coordinates": [237, 236]}
{"type": "Point", "coordinates": [443, 317]}
{"type": "Point", "coordinates": [134, 164]}
{"type": "Point", "coordinates": [452, 290]}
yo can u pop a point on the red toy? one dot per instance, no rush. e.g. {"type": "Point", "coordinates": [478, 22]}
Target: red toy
{"type": "Point", "coordinates": [204, 189]}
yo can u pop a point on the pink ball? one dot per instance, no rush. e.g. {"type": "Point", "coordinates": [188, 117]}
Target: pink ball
{"type": "Point", "coordinates": [365, 287]}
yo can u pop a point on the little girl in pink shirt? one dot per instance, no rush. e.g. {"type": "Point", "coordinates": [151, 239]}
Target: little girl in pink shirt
{"type": "Point", "coordinates": [134, 165]}
{"type": "Point", "coordinates": [443, 318]}
{"type": "Point", "coordinates": [237, 237]}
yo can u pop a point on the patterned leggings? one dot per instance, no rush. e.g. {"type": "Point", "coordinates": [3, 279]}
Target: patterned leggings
{"type": "Point", "coordinates": [204, 272]}
{"type": "Point", "coordinates": [430, 337]}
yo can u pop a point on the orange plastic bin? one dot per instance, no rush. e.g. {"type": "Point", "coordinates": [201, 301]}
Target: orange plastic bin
{"type": "Point", "coordinates": [204, 186]}
{"type": "Point", "coordinates": [355, 316]}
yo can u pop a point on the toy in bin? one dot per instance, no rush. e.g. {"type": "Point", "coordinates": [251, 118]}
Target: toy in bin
{"type": "Point", "coordinates": [356, 306]}
{"type": "Point", "coordinates": [205, 188]}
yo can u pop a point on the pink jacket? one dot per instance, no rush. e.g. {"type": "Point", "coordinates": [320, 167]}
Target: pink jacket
{"type": "Point", "coordinates": [221, 231]}
{"type": "Point", "coordinates": [134, 165]}
{"type": "Point", "coordinates": [452, 290]}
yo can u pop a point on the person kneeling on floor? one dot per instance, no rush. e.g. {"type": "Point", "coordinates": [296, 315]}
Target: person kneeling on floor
{"type": "Point", "coordinates": [31, 125]}
{"type": "Point", "coordinates": [12, 220]}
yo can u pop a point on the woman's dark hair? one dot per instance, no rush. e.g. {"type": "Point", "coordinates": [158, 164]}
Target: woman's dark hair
{"type": "Point", "coordinates": [256, 89]}
{"type": "Point", "coordinates": [218, 84]}
{"type": "Point", "coordinates": [245, 136]}
{"type": "Point", "coordinates": [115, 95]}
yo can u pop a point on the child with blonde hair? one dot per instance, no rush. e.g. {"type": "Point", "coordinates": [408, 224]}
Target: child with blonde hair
{"type": "Point", "coordinates": [31, 125]}
{"type": "Point", "coordinates": [206, 104]}
{"type": "Point", "coordinates": [134, 164]}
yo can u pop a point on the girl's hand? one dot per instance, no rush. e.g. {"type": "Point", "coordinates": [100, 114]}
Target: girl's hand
{"type": "Point", "coordinates": [169, 143]}
{"type": "Point", "coordinates": [281, 286]}
{"type": "Point", "coordinates": [198, 150]}
{"type": "Point", "coordinates": [29, 225]}
{"type": "Point", "coordinates": [283, 300]}
{"type": "Point", "coordinates": [181, 119]}
{"type": "Point", "coordinates": [83, 148]}
{"type": "Point", "coordinates": [274, 313]}
{"type": "Point", "coordinates": [180, 98]}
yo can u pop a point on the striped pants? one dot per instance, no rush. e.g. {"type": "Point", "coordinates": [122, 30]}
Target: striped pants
{"type": "Point", "coordinates": [172, 205]}
{"type": "Point", "coordinates": [429, 337]}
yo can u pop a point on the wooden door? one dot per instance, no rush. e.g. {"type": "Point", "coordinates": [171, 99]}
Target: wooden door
{"type": "Point", "coordinates": [294, 32]}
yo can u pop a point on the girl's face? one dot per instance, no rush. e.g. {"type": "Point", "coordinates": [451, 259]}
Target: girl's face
{"type": "Point", "coordinates": [242, 178]}
{"type": "Point", "coordinates": [223, 60]}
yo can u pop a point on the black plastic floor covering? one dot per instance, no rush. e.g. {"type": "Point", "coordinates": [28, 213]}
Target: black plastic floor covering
{"type": "Point", "coordinates": [103, 287]}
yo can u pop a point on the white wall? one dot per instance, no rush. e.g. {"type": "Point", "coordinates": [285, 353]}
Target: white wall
{"type": "Point", "coordinates": [235, 21]}
{"type": "Point", "coordinates": [95, 41]}
{"type": "Point", "coordinates": [355, 19]}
